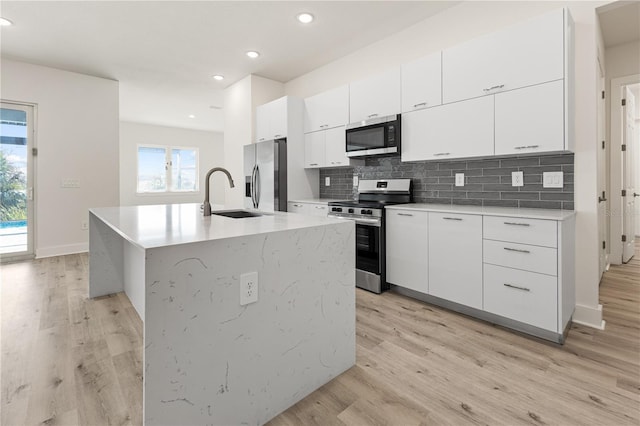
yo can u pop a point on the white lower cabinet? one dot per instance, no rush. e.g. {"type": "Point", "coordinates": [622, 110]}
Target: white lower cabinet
{"type": "Point", "coordinates": [523, 296]}
{"type": "Point", "coordinates": [455, 258]}
{"type": "Point", "coordinates": [407, 249]}
{"type": "Point", "coordinates": [296, 207]}
{"type": "Point", "coordinates": [517, 271]}
{"type": "Point", "coordinates": [308, 208]}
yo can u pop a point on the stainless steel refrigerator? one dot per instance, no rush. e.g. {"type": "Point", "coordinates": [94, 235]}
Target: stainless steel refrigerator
{"type": "Point", "coordinates": [265, 171]}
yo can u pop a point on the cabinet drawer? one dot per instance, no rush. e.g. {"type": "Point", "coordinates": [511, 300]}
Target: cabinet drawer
{"type": "Point", "coordinates": [522, 296]}
{"type": "Point", "coordinates": [526, 231]}
{"type": "Point", "coordinates": [521, 256]}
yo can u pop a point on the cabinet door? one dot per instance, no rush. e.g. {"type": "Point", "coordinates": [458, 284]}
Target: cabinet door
{"type": "Point", "coordinates": [336, 155]}
{"type": "Point", "coordinates": [320, 210]}
{"type": "Point", "coordinates": [522, 55]}
{"type": "Point", "coordinates": [407, 249]}
{"type": "Point", "coordinates": [530, 119]}
{"type": "Point", "coordinates": [458, 130]}
{"type": "Point", "coordinates": [327, 109]}
{"type": "Point", "coordinates": [295, 207]}
{"type": "Point", "coordinates": [422, 83]}
{"type": "Point", "coordinates": [376, 96]}
{"type": "Point", "coordinates": [271, 120]}
{"type": "Point", "coordinates": [455, 258]}
{"type": "Point", "coordinates": [314, 150]}
{"type": "Point", "coordinates": [262, 123]}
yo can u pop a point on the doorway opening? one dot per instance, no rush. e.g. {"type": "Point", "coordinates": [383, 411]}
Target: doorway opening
{"type": "Point", "coordinates": [17, 148]}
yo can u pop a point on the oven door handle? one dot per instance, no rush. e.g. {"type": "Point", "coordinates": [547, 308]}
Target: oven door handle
{"type": "Point", "coordinates": [359, 221]}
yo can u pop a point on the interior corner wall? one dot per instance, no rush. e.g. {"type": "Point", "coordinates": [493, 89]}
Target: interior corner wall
{"type": "Point", "coordinates": [77, 138]}
{"type": "Point", "coordinates": [471, 19]}
{"type": "Point", "coordinates": [210, 147]}
{"type": "Point", "coordinates": [240, 102]}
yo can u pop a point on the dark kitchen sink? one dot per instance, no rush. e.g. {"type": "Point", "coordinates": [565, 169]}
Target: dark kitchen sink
{"type": "Point", "coordinates": [236, 214]}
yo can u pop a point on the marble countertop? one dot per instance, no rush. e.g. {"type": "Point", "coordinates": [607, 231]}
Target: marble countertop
{"type": "Point", "coordinates": [545, 214]}
{"type": "Point", "coordinates": [172, 224]}
{"type": "Point", "coordinates": [317, 200]}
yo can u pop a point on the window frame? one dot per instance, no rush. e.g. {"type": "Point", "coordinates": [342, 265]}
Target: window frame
{"type": "Point", "coordinates": [168, 150]}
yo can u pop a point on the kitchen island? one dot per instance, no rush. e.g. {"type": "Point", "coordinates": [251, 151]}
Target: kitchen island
{"type": "Point", "coordinates": [207, 358]}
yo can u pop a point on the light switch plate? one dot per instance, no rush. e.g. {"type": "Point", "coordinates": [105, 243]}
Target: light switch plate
{"type": "Point", "coordinates": [327, 181]}
{"type": "Point", "coordinates": [517, 178]}
{"type": "Point", "coordinates": [248, 288]}
{"type": "Point", "coordinates": [459, 179]}
{"type": "Point", "coordinates": [355, 181]}
{"type": "Point", "coordinates": [552, 180]}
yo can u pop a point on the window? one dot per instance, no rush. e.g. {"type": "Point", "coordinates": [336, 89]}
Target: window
{"type": "Point", "coordinates": [167, 169]}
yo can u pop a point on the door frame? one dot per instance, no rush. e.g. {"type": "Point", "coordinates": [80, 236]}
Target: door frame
{"type": "Point", "coordinates": [32, 142]}
{"type": "Point", "coordinates": [615, 166]}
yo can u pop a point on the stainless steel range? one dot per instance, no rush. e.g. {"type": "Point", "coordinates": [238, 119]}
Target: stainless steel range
{"type": "Point", "coordinates": [368, 213]}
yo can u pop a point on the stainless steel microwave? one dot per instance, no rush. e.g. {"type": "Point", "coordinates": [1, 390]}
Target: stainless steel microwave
{"type": "Point", "coordinates": [377, 136]}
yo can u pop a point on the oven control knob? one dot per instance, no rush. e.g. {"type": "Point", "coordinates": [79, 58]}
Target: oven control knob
{"type": "Point", "coordinates": [363, 212]}
{"type": "Point", "coordinates": [336, 209]}
{"type": "Point", "coordinates": [350, 210]}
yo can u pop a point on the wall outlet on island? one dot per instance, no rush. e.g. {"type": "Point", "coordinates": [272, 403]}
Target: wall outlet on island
{"type": "Point", "coordinates": [248, 288]}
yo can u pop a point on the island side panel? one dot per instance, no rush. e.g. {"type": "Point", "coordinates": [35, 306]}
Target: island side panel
{"type": "Point", "coordinates": [106, 260]}
{"type": "Point", "coordinates": [209, 360]}
{"type": "Point", "coordinates": [133, 276]}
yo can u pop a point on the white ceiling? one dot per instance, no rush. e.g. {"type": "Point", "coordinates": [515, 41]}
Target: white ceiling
{"type": "Point", "coordinates": [164, 53]}
{"type": "Point", "coordinates": [620, 22]}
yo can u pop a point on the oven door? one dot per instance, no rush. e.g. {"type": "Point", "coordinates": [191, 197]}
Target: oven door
{"type": "Point", "coordinates": [368, 248]}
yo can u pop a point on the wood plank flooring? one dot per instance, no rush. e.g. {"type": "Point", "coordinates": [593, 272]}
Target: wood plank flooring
{"type": "Point", "coordinates": [68, 360]}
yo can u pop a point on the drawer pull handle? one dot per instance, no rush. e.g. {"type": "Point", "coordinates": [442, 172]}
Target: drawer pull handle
{"type": "Point", "coordinates": [439, 154]}
{"type": "Point", "coordinates": [516, 287]}
{"type": "Point", "coordinates": [517, 250]}
{"type": "Point", "coordinates": [297, 205]}
{"type": "Point", "coordinates": [320, 207]}
{"type": "Point", "coordinates": [420, 104]}
{"type": "Point", "coordinates": [500, 86]}
{"type": "Point", "coordinates": [517, 224]}
{"type": "Point", "coordinates": [527, 147]}
{"type": "Point", "coordinates": [452, 218]}
{"type": "Point", "coordinates": [313, 164]}
{"type": "Point", "coordinates": [405, 214]}
{"type": "Point", "coordinates": [372, 115]}
{"type": "Point", "coordinates": [322, 126]}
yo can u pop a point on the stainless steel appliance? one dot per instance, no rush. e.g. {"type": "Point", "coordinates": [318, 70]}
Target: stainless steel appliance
{"type": "Point", "coordinates": [368, 214]}
{"type": "Point", "coordinates": [376, 136]}
{"type": "Point", "coordinates": [265, 171]}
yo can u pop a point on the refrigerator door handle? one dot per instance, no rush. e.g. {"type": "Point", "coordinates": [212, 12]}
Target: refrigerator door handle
{"type": "Point", "coordinates": [257, 186]}
{"type": "Point", "coordinates": [253, 186]}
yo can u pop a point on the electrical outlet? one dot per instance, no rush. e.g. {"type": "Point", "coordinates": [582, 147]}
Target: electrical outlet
{"type": "Point", "coordinates": [355, 181]}
{"type": "Point", "coordinates": [517, 178]}
{"type": "Point", "coordinates": [248, 288]}
{"type": "Point", "coordinates": [327, 181]}
{"type": "Point", "coordinates": [459, 179]}
{"type": "Point", "coordinates": [552, 180]}
{"type": "Point", "coordinates": [84, 225]}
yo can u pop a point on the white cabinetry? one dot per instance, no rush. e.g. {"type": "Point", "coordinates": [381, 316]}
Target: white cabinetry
{"type": "Point", "coordinates": [327, 109]}
{"type": "Point", "coordinates": [314, 149]}
{"type": "Point", "coordinates": [455, 258]}
{"type": "Point", "coordinates": [531, 119]}
{"type": "Point", "coordinates": [376, 96]}
{"type": "Point", "coordinates": [326, 148]}
{"type": "Point", "coordinates": [422, 83]}
{"type": "Point", "coordinates": [407, 249]}
{"type": "Point", "coordinates": [529, 53]}
{"type": "Point", "coordinates": [272, 120]}
{"type": "Point", "coordinates": [315, 208]}
{"type": "Point", "coordinates": [462, 129]}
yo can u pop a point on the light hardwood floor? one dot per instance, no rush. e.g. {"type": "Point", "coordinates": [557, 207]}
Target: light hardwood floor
{"type": "Point", "coordinates": [69, 360]}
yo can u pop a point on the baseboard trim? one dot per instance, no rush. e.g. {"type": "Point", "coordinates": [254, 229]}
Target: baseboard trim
{"type": "Point", "coordinates": [62, 250]}
{"type": "Point", "coordinates": [589, 316]}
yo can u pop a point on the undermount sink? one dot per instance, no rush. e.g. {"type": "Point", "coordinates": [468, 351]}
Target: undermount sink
{"type": "Point", "coordinates": [236, 214]}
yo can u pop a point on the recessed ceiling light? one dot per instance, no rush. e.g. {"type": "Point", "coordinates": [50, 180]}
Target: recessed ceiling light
{"type": "Point", "coordinates": [253, 54]}
{"type": "Point", "coordinates": [5, 22]}
{"type": "Point", "coordinates": [218, 77]}
{"type": "Point", "coordinates": [305, 18]}
{"type": "Point", "coordinates": [192, 116]}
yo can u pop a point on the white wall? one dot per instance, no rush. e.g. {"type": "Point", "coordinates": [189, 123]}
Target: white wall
{"type": "Point", "coordinates": [211, 154]}
{"type": "Point", "coordinates": [240, 102]}
{"type": "Point", "coordinates": [469, 20]}
{"type": "Point", "coordinates": [77, 138]}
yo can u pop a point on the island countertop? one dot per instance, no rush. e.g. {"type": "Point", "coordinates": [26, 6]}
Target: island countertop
{"type": "Point", "coordinates": [163, 225]}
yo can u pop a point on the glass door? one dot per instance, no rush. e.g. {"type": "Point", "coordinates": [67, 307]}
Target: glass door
{"type": "Point", "coordinates": [16, 181]}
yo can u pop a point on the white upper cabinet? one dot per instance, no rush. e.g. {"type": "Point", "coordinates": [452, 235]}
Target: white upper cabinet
{"type": "Point", "coordinates": [335, 148]}
{"type": "Point", "coordinates": [531, 119]}
{"type": "Point", "coordinates": [422, 83]}
{"type": "Point", "coordinates": [529, 53]}
{"type": "Point", "coordinates": [376, 96]}
{"type": "Point", "coordinates": [314, 150]}
{"type": "Point", "coordinates": [327, 109]}
{"type": "Point", "coordinates": [271, 120]}
{"type": "Point", "coordinates": [458, 130]}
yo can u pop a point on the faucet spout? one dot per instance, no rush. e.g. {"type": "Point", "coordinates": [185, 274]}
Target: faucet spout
{"type": "Point", "coordinates": [206, 205]}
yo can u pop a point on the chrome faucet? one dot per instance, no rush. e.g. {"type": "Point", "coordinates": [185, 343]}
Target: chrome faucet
{"type": "Point", "coordinates": [206, 205]}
